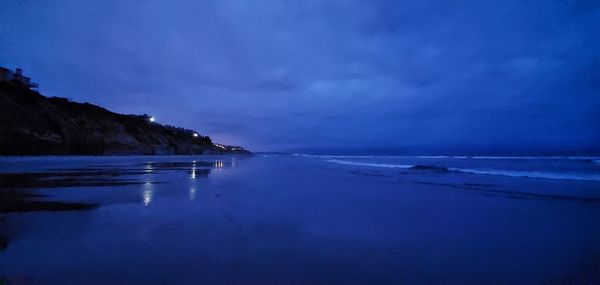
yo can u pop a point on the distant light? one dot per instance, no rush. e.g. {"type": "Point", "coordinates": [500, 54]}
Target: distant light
{"type": "Point", "coordinates": [195, 135]}
{"type": "Point", "coordinates": [151, 119]}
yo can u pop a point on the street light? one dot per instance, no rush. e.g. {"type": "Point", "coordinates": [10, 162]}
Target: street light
{"type": "Point", "coordinates": [195, 135]}
{"type": "Point", "coordinates": [151, 119]}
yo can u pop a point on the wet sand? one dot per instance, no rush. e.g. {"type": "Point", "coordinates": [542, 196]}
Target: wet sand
{"type": "Point", "coordinates": [290, 220]}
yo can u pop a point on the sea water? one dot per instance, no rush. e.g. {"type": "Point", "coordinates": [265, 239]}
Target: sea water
{"type": "Point", "coordinates": [305, 219]}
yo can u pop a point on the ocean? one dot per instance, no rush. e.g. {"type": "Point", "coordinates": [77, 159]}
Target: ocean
{"type": "Point", "coordinates": [301, 219]}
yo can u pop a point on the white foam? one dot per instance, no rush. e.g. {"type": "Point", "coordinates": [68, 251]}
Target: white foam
{"type": "Point", "coordinates": [357, 163]}
{"type": "Point", "coordinates": [533, 157]}
{"type": "Point", "coordinates": [350, 156]}
{"type": "Point", "coordinates": [498, 172]}
{"type": "Point", "coordinates": [531, 174]}
{"type": "Point", "coordinates": [595, 158]}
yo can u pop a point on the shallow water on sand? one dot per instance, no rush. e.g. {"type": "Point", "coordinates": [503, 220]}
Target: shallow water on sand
{"type": "Point", "coordinates": [298, 220]}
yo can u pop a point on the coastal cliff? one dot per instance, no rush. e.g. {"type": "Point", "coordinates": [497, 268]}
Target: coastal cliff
{"type": "Point", "coordinates": [32, 124]}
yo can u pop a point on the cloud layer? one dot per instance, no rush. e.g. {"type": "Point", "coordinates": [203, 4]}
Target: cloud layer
{"type": "Point", "coordinates": [287, 74]}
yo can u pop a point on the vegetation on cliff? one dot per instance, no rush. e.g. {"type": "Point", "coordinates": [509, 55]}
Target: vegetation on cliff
{"type": "Point", "coordinates": [32, 124]}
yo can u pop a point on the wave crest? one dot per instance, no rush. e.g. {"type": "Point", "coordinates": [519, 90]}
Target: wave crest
{"type": "Point", "coordinates": [497, 172]}
{"type": "Point", "coordinates": [357, 163]}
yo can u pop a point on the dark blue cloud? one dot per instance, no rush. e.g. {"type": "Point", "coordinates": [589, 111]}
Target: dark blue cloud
{"type": "Point", "coordinates": [285, 74]}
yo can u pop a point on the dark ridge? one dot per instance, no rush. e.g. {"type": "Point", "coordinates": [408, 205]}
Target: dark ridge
{"type": "Point", "coordinates": [32, 124]}
{"type": "Point", "coordinates": [63, 179]}
{"type": "Point", "coordinates": [24, 201]}
{"type": "Point", "coordinates": [20, 201]}
{"type": "Point", "coordinates": [369, 173]}
{"type": "Point", "coordinates": [480, 185]}
{"type": "Point", "coordinates": [430, 167]}
{"type": "Point", "coordinates": [36, 206]}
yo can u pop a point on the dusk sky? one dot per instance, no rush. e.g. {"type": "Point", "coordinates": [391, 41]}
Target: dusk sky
{"type": "Point", "coordinates": [277, 75]}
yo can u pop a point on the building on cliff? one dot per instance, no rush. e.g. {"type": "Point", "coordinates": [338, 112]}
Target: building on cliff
{"type": "Point", "coordinates": [17, 78]}
{"type": "Point", "coordinates": [228, 147]}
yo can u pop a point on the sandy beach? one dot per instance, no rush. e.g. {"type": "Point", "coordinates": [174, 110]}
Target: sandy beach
{"type": "Point", "coordinates": [292, 220]}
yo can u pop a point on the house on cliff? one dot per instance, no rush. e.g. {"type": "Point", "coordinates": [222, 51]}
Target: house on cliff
{"type": "Point", "coordinates": [17, 78]}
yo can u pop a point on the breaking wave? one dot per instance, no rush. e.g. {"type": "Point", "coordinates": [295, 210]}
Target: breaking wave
{"type": "Point", "coordinates": [595, 159]}
{"type": "Point", "coordinates": [532, 174]}
{"type": "Point", "coordinates": [497, 172]}
{"type": "Point", "coordinates": [358, 163]}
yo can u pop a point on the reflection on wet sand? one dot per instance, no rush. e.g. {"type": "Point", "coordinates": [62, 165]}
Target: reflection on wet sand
{"type": "Point", "coordinates": [192, 194]}
{"type": "Point", "coordinates": [193, 176]}
{"type": "Point", "coordinates": [149, 167]}
{"type": "Point", "coordinates": [18, 190]}
{"type": "Point", "coordinates": [147, 193]}
{"type": "Point", "coordinates": [217, 165]}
